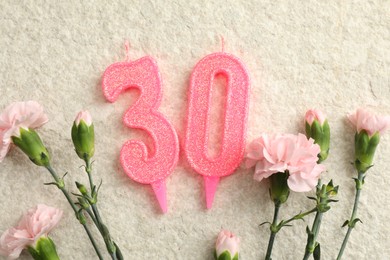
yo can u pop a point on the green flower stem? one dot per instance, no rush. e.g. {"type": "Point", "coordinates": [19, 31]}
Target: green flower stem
{"type": "Point", "coordinates": [88, 169]}
{"type": "Point", "coordinates": [110, 244]}
{"type": "Point", "coordinates": [273, 229]}
{"type": "Point", "coordinates": [317, 224]}
{"type": "Point", "coordinates": [299, 216]}
{"type": "Point", "coordinates": [351, 223]}
{"type": "Point", "coordinates": [91, 215]}
{"type": "Point", "coordinates": [310, 246]}
{"type": "Point", "coordinates": [61, 185]}
{"type": "Point", "coordinates": [311, 243]}
{"type": "Point", "coordinates": [275, 226]}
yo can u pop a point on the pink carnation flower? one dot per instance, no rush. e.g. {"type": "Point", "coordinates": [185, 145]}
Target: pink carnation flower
{"type": "Point", "coordinates": [293, 153]}
{"type": "Point", "coordinates": [364, 120]}
{"type": "Point", "coordinates": [37, 222]}
{"type": "Point", "coordinates": [19, 114]}
{"type": "Point", "coordinates": [227, 241]}
{"type": "Point", "coordinates": [314, 114]}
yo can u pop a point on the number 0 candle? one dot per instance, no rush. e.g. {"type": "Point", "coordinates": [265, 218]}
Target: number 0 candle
{"type": "Point", "coordinates": [234, 121]}
{"type": "Point", "coordinates": [141, 166]}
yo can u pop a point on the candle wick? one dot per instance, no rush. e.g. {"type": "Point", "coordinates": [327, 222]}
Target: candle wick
{"type": "Point", "coordinates": [223, 43]}
{"type": "Point", "coordinates": [127, 48]}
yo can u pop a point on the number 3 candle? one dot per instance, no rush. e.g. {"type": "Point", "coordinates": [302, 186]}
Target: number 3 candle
{"type": "Point", "coordinates": [234, 125]}
{"type": "Point", "coordinates": [141, 166]}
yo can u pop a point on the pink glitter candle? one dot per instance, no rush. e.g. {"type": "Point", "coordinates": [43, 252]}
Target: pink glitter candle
{"type": "Point", "coordinates": [141, 166]}
{"type": "Point", "coordinates": [235, 117]}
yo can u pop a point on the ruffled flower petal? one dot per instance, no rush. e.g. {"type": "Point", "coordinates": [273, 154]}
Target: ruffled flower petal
{"type": "Point", "coordinates": [19, 115]}
{"type": "Point", "coordinates": [293, 153]}
{"type": "Point", "coordinates": [364, 120]}
{"type": "Point", "coordinates": [37, 222]}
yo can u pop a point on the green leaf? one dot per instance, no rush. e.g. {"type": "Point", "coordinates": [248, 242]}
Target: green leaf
{"type": "Point", "coordinates": [317, 252]}
{"type": "Point", "coordinates": [308, 231]}
{"type": "Point", "coordinates": [50, 183]}
{"type": "Point", "coordinates": [335, 191]}
{"type": "Point", "coordinates": [265, 223]}
{"type": "Point", "coordinates": [81, 187]}
{"type": "Point", "coordinates": [118, 252]}
{"type": "Point", "coordinates": [345, 223]}
{"type": "Point", "coordinates": [353, 223]}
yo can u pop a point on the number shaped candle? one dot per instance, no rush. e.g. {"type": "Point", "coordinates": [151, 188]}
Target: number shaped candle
{"type": "Point", "coordinates": [234, 125]}
{"type": "Point", "coordinates": [141, 166]}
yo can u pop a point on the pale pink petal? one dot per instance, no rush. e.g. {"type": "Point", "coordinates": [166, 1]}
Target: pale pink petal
{"type": "Point", "coordinates": [298, 184]}
{"type": "Point", "coordinates": [294, 153]}
{"type": "Point", "coordinates": [25, 114]}
{"type": "Point", "coordinates": [280, 150]}
{"type": "Point", "coordinates": [364, 120]}
{"type": "Point", "coordinates": [37, 222]}
{"type": "Point", "coordinates": [4, 148]}
{"type": "Point", "coordinates": [314, 114]}
{"type": "Point", "coordinates": [13, 241]}
{"type": "Point", "coordinates": [41, 220]}
{"type": "Point", "coordinates": [33, 115]}
{"type": "Point", "coordinates": [255, 149]}
{"type": "Point", "coordinates": [227, 241]}
{"type": "Point", "coordinates": [254, 153]}
{"type": "Point", "coordinates": [85, 116]}
{"type": "Point", "coordinates": [261, 176]}
{"type": "Point", "coordinates": [15, 116]}
{"type": "Point", "coordinates": [249, 163]}
{"type": "Point", "coordinates": [278, 167]}
{"type": "Point", "coordinates": [262, 171]}
{"type": "Point", "coordinates": [269, 156]}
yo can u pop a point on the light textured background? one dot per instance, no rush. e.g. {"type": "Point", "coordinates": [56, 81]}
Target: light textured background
{"type": "Point", "coordinates": [333, 55]}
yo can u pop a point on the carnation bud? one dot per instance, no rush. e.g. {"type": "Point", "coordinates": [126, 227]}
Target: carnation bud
{"type": "Point", "coordinates": [31, 144]}
{"type": "Point", "coordinates": [365, 147]}
{"type": "Point", "coordinates": [83, 135]}
{"type": "Point", "coordinates": [227, 246]}
{"type": "Point", "coordinates": [331, 190]}
{"type": "Point", "coordinates": [83, 190]}
{"type": "Point", "coordinates": [317, 127]}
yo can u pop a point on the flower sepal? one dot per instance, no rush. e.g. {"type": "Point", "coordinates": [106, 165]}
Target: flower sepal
{"type": "Point", "coordinates": [31, 144]}
{"type": "Point", "coordinates": [44, 249]}
{"type": "Point", "coordinates": [321, 135]}
{"type": "Point", "coordinates": [325, 195]}
{"type": "Point", "coordinates": [225, 256]}
{"type": "Point", "coordinates": [365, 147]}
{"type": "Point", "coordinates": [279, 190]}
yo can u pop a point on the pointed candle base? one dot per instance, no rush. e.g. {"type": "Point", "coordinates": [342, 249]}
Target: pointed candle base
{"type": "Point", "coordinates": [210, 188]}
{"type": "Point", "coordinates": [159, 189]}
